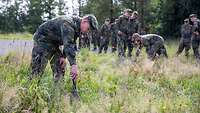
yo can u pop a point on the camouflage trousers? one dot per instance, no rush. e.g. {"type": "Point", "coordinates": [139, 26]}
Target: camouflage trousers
{"type": "Point", "coordinates": [195, 46]}
{"type": "Point", "coordinates": [114, 43]}
{"type": "Point", "coordinates": [130, 47]}
{"type": "Point", "coordinates": [184, 44]}
{"type": "Point", "coordinates": [95, 42]}
{"type": "Point", "coordinates": [84, 43]}
{"type": "Point", "coordinates": [41, 54]}
{"type": "Point", "coordinates": [104, 43]}
{"type": "Point", "coordinates": [122, 45]}
{"type": "Point", "coordinates": [156, 49]}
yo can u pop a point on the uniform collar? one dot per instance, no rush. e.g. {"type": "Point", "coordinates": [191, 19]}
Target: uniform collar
{"type": "Point", "coordinates": [77, 22]}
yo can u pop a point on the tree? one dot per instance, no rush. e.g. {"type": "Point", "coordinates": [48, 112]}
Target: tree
{"type": "Point", "coordinates": [11, 17]}
{"type": "Point", "coordinates": [61, 6]}
{"type": "Point", "coordinates": [102, 9]}
{"type": "Point", "coordinates": [172, 13]}
{"type": "Point", "coordinates": [34, 16]}
{"type": "Point", "coordinates": [160, 16]}
{"type": "Point", "coordinates": [49, 8]}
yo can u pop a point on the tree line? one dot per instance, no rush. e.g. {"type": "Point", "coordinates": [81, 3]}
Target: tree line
{"type": "Point", "coordinates": [27, 15]}
{"type": "Point", "coordinates": [156, 16]}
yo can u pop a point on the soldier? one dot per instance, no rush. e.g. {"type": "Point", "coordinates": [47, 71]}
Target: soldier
{"type": "Point", "coordinates": [185, 42]}
{"type": "Point", "coordinates": [133, 28]}
{"type": "Point", "coordinates": [154, 45]}
{"type": "Point", "coordinates": [123, 32]}
{"type": "Point", "coordinates": [60, 31]}
{"type": "Point", "coordinates": [195, 36]}
{"type": "Point", "coordinates": [105, 36]}
{"type": "Point", "coordinates": [114, 35]}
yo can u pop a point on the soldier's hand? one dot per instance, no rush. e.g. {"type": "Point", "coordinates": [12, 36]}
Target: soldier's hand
{"type": "Point", "coordinates": [119, 33]}
{"type": "Point", "coordinates": [74, 72]}
{"type": "Point", "coordinates": [197, 33]}
{"type": "Point", "coordinates": [61, 48]}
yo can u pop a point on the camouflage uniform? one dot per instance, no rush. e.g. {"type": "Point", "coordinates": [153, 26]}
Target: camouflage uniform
{"type": "Point", "coordinates": [84, 40]}
{"type": "Point", "coordinates": [185, 42]}
{"type": "Point", "coordinates": [154, 46]}
{"type": "Point", "coordinates": [133, 28]}
{"type": "Point", "coordinates": [122, 38]}
{"type": "Point", "coordinates": [98, 38]}
{"type": "Point", "coordinates": [114, 36]}
{"type": "Point", "coordinates": [95, 39]}
{"type": "Point", "coordinates": [196, 39]}
{"type": "Point", "coordinates": [105, 38]}
{"type": "Point", "coordinates": [47, 40]}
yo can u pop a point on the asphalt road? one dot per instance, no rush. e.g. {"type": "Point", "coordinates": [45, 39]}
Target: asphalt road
{"type": "Point", "coordinates": [17, 46]}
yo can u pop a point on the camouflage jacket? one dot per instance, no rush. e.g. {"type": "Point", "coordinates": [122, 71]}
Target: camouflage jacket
{"type": "Point", "coordinates": [123, 24]}
{"type": "Point", "coordinates": [113, 29]}
{"type": "Point", "coordinates": [196, 28]}
{"type": "Point", "coordinates": [186, 31]}
{"type": "Point", "coordinates": [95, 34]}
{"type": "Point", "coordinates": [133, 26]}
{"type": "Point", "coordinates": [105, 31]}
{"type": "Point", "coordinates": [149, 40]}
{"type": "Point", "coordinates": [62, 30]}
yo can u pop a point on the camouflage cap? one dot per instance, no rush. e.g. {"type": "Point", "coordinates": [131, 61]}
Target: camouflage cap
{"type": "Point", "coordinates": [136, 35]}
{"type": "Point", "coordinates": [192, 15]}
{"type": "Point", "coordinates": [92, 20]}
{"type": "Point", "coordinates": [186, 20]}
{"type": "Point", "coordinates": [128, 10]}
{"type": "Point", "coordinates": [135, 12]}
{"type": "Point", "coordinates": [107, 19]}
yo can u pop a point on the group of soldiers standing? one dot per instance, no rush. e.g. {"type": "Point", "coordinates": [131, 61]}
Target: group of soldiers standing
{"type": "Point", "coordinates": [190, 36]}
{"type": "Point", "coordinates": [117, 34]}
{"type": "Point", "coordinates": [120, 33]}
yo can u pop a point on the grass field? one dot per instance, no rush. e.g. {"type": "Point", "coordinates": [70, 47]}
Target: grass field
{"type": "Point", "coordinates": [105, 86]}
{"type": "Point", "coordinates": [17, 36]}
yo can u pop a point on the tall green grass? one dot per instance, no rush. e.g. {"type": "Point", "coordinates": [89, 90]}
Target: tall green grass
{"type": "Point", "coordinates": [17, 36]}
{"type": "Point", "coordinates": [105, 85]}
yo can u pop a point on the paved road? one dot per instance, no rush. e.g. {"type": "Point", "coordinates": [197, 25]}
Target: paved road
{"type": "Point", "coordinates": [7, 46]}
{"type": "Point", "coordinates": [19, 46]}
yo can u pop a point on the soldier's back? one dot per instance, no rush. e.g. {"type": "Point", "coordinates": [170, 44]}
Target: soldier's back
{"type": "Point", "coordinates": [186, 31]}
{"type": "Point", "coordinates": [133, 26]}
{"type": "Point", "coordinates": [152, 38]}
{"type": "Point", "coordinates": [123, 24]}
{"type": "Point", "coordinates": [52, 29]}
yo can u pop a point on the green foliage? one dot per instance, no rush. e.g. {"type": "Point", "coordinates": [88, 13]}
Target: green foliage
{"type": "Point", "coordinates": [49, 7]}
{"type": "Point", "coordinates": [34, 17]}
{"type": "Point", "coordinates": [172, 13]}
{"type": "Point", "coordinates": [17, 36]}
{"type": "Point", "coordinates": [11, 19]}
{"type": "Point", "coordinates": [27, 15]}
{"type": "Point", "coordinates": [101, 9]}
{"type": "Point", "coordinates": [156, 16]}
